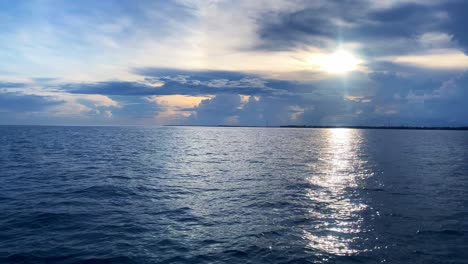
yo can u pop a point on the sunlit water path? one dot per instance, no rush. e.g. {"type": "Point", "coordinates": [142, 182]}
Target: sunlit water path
{"type": "Point", "coordinates": [232, 195]}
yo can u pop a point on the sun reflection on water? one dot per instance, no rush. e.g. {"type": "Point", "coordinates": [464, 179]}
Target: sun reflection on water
{"type": "Point", "coordinates": [336, 209]}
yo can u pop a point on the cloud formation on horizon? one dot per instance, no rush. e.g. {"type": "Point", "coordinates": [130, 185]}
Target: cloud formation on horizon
{"type": "Point", "coordinates": [233, 63]}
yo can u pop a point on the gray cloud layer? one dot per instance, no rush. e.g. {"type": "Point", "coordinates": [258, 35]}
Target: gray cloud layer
{"type": "Point", "coordinates": [386, 93]}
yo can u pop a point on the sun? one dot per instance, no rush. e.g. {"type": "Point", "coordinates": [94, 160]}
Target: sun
{"type": "Point", "coordinates": [338, 62]}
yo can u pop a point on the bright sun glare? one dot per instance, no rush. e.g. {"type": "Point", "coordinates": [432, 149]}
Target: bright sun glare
{"type": "Point", "coordinates": [340, 61]}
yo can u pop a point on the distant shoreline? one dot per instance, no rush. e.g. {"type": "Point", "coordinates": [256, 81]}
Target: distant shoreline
{"type": "Point", "coordinates": [383, 127]}
{"type": "Point", "coordinates": [350, 127]}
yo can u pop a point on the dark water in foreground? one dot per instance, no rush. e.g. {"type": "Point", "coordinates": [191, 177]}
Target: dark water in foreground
{"type": "Point", "coordinates": [232, 195]}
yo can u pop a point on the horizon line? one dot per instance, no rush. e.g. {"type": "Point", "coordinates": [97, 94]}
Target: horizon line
{"type": "Point", "coordinates": [398, 127]}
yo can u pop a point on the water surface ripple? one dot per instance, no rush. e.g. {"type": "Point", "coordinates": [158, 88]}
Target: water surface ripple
{"type": "Point", "coordinates": [232, 195]}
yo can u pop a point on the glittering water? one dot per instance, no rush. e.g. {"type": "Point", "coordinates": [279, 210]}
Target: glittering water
{"type": "Point", "coordinates": [232, 195]}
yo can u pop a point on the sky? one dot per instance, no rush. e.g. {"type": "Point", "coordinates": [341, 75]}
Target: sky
{"type": "Point", "coordinates": [216, 62]}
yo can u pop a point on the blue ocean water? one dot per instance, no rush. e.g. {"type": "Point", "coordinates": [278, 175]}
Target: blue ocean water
{"type": "Point", "coordinates": [232, 195]}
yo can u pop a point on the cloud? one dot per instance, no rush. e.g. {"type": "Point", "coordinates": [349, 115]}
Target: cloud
{"type": "Point", "coordinates": [405, 100]}
{"type": "Point", "coordinates": [456, 24]}
{"type": "Point", "coordinates": [436, 59]}
{"type": "Point", "coordinates": [169, 88]}
{"type": "Point", "coordinates": [393, 99]}
{"type": "Point", "coordinates": [177, 101]}
{"type": "Point", "coordinates": [444, 105]}
{"type": "Point", "coordinates": [396, 28]}
{"type": "Point", "coordinates": [225, 62]}
{"type": "Point", "coordinates": [99, 100]}
{"type": "Point", "coordinates": [175, 108]}
{"type": "Point", "coordinates": [435, 40]}
{"type": "Point", "coordinates": [137, 109]}
{"type": "Point", "coordinates": [21, 103]}
{"type": "Point", "coordinates": [83, 40]}
{"type": "Point", "coordinates": [6, 85]}
{"type": "Point", "coordinates": [271, 111]}
{"type": "Point", "coordinates": [161, 81]}
{"type": "Point", "coordinates": [220, 110]}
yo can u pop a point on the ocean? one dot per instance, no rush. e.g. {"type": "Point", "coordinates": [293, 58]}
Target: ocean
{"type": "Point", "coordinates": [232, 195]}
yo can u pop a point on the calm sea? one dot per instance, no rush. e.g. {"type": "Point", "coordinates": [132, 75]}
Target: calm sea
{"type": "Point", "coordinates": [232, 195]}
